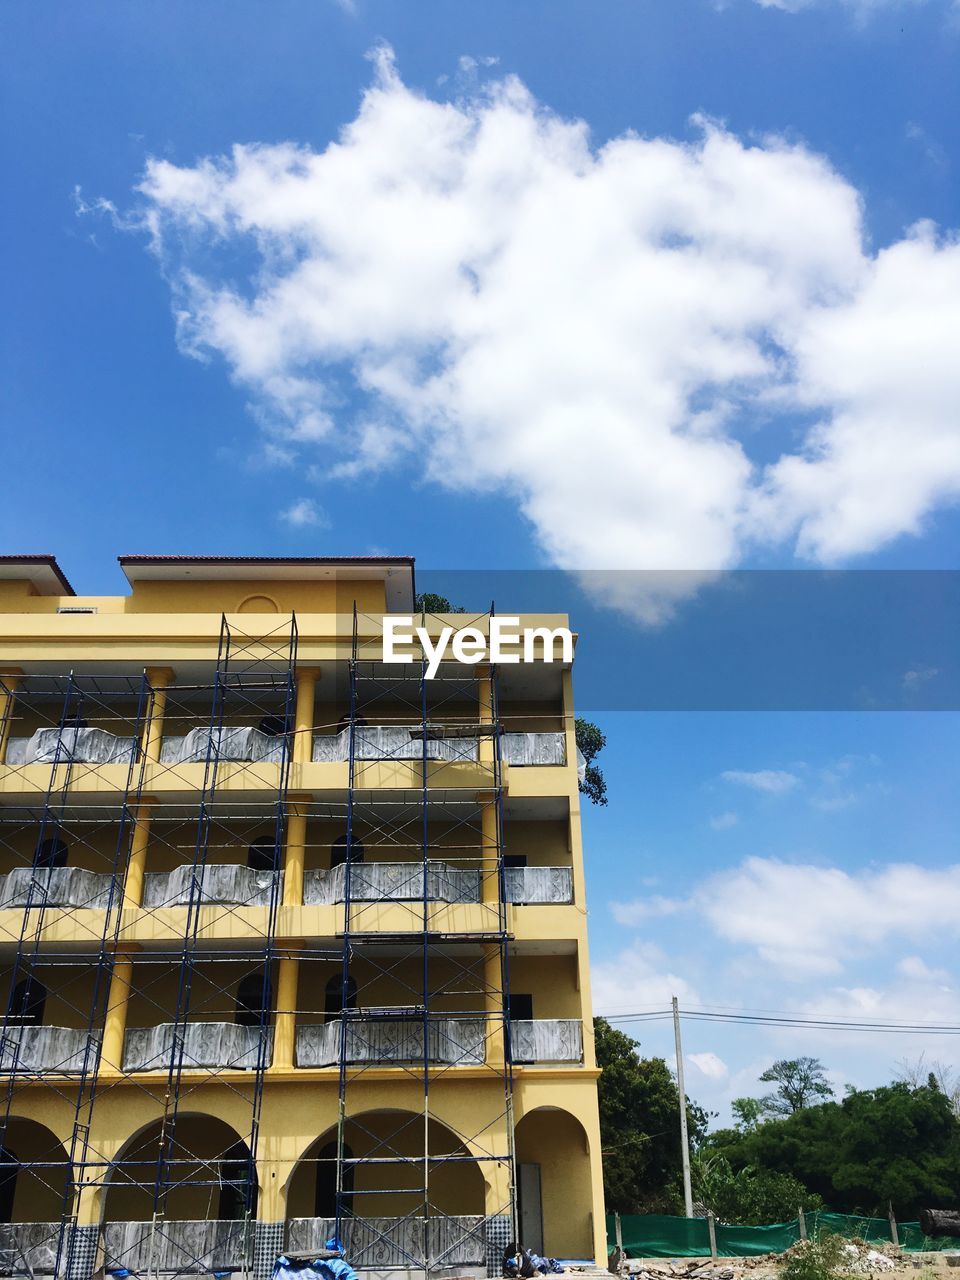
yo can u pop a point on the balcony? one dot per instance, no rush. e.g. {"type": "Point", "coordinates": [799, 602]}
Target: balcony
{"type": "Point", "coordinates": [29, 1248]}
{"type": "Point", "coordinates": [214, 884]}
{"type": "Point", "coordinates": [176, 1248]}
{"type": "Point", "coordinates": [228, 742]}
{"type": "Point", "coordinates": [529, 885]}
{"type": "Point", "coordinates": [226, 1045]}
{"type": "Point", "coordinates": [34, 1048]}
{"type": "Point", "coordinates": [70, 746]}
{"type": "Point", "coordinates": [392, 882]}
{"type": "Point", "coordinates": [377, 1243]}
{"type": "Point", "coordinates": [57, 887]}
{"type": "Point", "coordinates": [547, 1040]}
{"type": "Point", "coordinates": [393, 1041]}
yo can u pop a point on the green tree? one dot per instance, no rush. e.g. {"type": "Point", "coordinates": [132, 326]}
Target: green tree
{"type": "Point", "coordinates": [591, 741]}
{"type": "Point", "coordinates": [893, 1144]}
{"type": "Point", "coordinates": [800, 1082]}
{"type": "Point", "coordinates": [639, 1124]}
{"type": "Point", "coordinates": [430, 602]}
{"type": "Point", "coordinates": [748, 1112]}
{"type": "Point", "coordinates": [748, 1196]}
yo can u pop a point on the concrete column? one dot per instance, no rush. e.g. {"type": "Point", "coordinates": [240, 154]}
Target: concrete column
{"type": "Point", "coordinates": [9, 682]}
{"type": "Point", "coordinates": [159, 679]}
{"type": "Point", "coordinates": [493, 1003]}
{"type": "Point", "coordinates": [137, 862]}
{"type": "Point", "coordinates": [115, 1023]}
{"type": "Point", "coordinates": [295, 850]}
{"type": "Point", "coordinates": [285, 1025]}
{"type": "Point", "coordinates": [305, 715]}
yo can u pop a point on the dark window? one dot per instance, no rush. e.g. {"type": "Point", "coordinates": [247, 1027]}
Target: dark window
{"type": "Point", "coordinates": [234, 1174]}
{"type": "Point", "coordinates": [27, 1002]}
{"type": "Point", "coordinates": [273, 726]}
{"type": "Point", "coordinates": [51, 852]}
{"type": "Point", "coordinates": [263, 855]}
{"type": "Point", "coordinates": [325, 1200]}
{"type": "Point", "coordinates": [514, 859]}
{"type": "Point", "coordinates": [520, 1007]}
{"type": "Point", "coordinates": [9, 1168]}
{"type": "Point", "coordinates": [333, 997]}
{"type": "Point", "coordinates": [338, 851]}
{"type": "Point", "coordinates": [250, 1001]}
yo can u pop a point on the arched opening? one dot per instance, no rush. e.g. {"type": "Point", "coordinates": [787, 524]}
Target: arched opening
{"type": "Point", "coordinates": [253, 999]}
{"type": "Point", "coordinates": [263, 854]}
{"type": "Point", "coordinates": [211, 1188]}
{"type": "Point", "coordinates": [34, 1182]}
{"type": "Point", "coordinates": [28, 1002]}
{"type": "Point", "coordinates": [338, 852]}
{"type": "Point", "coordinates": [385, 1222]}
{"type": "Point", "coordinates": [51, 852]}
{"type": "Point", "coordinates": [555, 1193]}
{"type": "Point", "coordinates": [333, 997]}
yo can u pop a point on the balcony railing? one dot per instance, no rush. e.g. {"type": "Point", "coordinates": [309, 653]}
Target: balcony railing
{"type": "Point", "coordinates": [33, 1048]}
{"type": "Point", "coordinates": [538, 884]}
{"type": "Point", "coordinates": [205, 1044]}
{"type": "Point", "coordinates": [375, 1243]}
{"type": "Point", "coordinates": [547, 1040]}
{"type": "Point", "coordinates": [228, 742]}
{"type": "Point", "coordinates": [57, 887]}
{"type": "Point", "coordinates": [29, 1248]}
{"type": "Point", "coordinates": [392, 881]}
{"type": "Point", "coordinates": [171, 1247]}
{"type": "Point", "coordinates": [405, 742]}
{"type": "Point", "coordinates": [388, 1041]}
{"type": "Point", "coordinates": [70, 746]}
{"type": "Point", "coordinates": [218, 883]}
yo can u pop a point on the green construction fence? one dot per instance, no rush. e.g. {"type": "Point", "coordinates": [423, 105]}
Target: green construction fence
{"type": "Point", "coordinates": [654, 1235]}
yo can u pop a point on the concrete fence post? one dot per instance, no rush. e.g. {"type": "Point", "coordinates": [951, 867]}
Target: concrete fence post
{"type": "Point", "coordinates": [712, 1229]}
{"type": "Point", "coordinates": [801, 1219]}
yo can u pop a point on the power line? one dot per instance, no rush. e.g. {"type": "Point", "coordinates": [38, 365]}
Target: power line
{"type": "Point", "coordinates": [823, 1023]}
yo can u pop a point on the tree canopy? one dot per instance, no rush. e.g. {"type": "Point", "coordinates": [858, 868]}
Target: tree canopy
{"type": "Point", "coordinates": [800, 1083]}
{"type": "Point", "coordinates": [591, 741]}
{"type": "Point", "coordinates": [639, 1125]}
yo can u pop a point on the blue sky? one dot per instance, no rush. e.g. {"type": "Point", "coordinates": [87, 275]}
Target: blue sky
{"type": "Point", "coordinates": [701, 335]}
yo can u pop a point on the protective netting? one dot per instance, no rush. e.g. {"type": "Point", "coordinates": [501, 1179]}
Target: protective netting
{"type": "Point", "coordinates": [188, 1247]}
{"type": "Point", "coordinates": [205, 1044]}
{"type": "Point", "coordinates": [392, 881]}
{"type": "Point", "coordinates": [28, 1248]}
{"type": "Point", "coordinates": [45, 1049]}
{"type": "Point", "coordinates": [538, 884]}
{"type": "Point", "coordinates": [659, 1236]}
{"type": "Point", "coordinates": [64, 746]}
{"type": "Point", "coordinates": [226, 742]}
{"type": "Point", "coordinates": [56, 887]}
{"type": "Point", "coordinates": [387, 1040]}
{"type": "Point", "coordinates": [217, 883]}
{"type": "Point", "coordinates": [372, 1243]}
{"type": "Point", "coordinates": [546, 1040]}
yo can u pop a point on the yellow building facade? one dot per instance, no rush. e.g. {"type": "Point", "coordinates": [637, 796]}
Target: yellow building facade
{"type": "Point", "coordinates": [294, 940]}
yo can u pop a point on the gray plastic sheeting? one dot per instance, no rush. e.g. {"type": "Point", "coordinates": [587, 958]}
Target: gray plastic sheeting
{"type": "Point", "coordinates": [219, 883]}
{"type": "Point", "coordinates": [386, 1040]}
{"type": "Point", "coordinates": [206, 1044]}
{"type": "Point", "coordinates": [57, 887]}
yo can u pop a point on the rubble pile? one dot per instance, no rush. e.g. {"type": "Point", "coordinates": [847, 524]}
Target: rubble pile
{"type": "Point", "coordinates": [859, 1259]}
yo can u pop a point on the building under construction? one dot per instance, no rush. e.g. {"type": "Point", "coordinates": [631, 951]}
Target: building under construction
{"type": "Point", "coordinates": [294, 941]}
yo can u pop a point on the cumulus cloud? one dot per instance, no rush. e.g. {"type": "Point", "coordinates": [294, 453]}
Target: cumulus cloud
{"type": "Point", "coordinates": [304, 513]}
{"type": "Point", "coordinates": [638, 978]}
{"type": "Point", "coordinates": [709, 1065]}
{"type": "Point", "coordinates": [773, 782]}
{"type": "Point", "coordinates": [807, 921]}
{"type": "Point", "coordinates": [602, 333]}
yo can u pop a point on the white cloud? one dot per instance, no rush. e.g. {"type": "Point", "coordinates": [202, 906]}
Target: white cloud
{"type": "Point", "coordinates": [914, 680]}
{"type": "Point", "coordinates": [648, 908]}
{"type": "Point", "coordinates": [304, 513]}
{"type": "Point", "coordinates": [637, 979]}
{"type": "Point", "coordinates": [774, 782]}
{"type": "Point", "coordinates": [917, 969]}
{"type": "Point", "coordinates": [724, 821]}
{"type": "Point", "coordinates": [709, 1065]}
{"type": "Point", "coordinates": [592, 330]}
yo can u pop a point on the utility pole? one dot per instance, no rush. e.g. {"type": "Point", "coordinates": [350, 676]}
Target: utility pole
{"type": "Point", "coordinates": [684, 1141]}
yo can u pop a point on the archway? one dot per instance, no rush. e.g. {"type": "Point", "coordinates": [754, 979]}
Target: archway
{"type": "Point", "coordinates": [555, 1194]}
{"type": "Point", "coordinates": [386, 1210]}
{"type": "Point", "coordinates": [34, 1172]}
{"type": "Point", "coordinates": [208, 1198]}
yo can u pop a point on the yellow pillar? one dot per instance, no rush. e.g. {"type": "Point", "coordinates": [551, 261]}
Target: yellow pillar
{"type": "Point", "coordinates": [88, 1203]}
{"type": "Point", "coordinates": [115, 1023]}
{"type": "Point", "coordinates": [160, 678]}
{"type": "Point", "coordinates": [304, 724]}
{"type": "Point", "coordinates": [493, 1002]}
{"type": "Point", "coordinates": [136, 866]}
{"type": "Point", "coordinates": [498, 1193]}
{"type": "Point", "coordinates": [295, 851]}
{"type": "Point", "coordinates": [9, 680]}
{"type": "Point", "coordinates": [285, 1025]}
